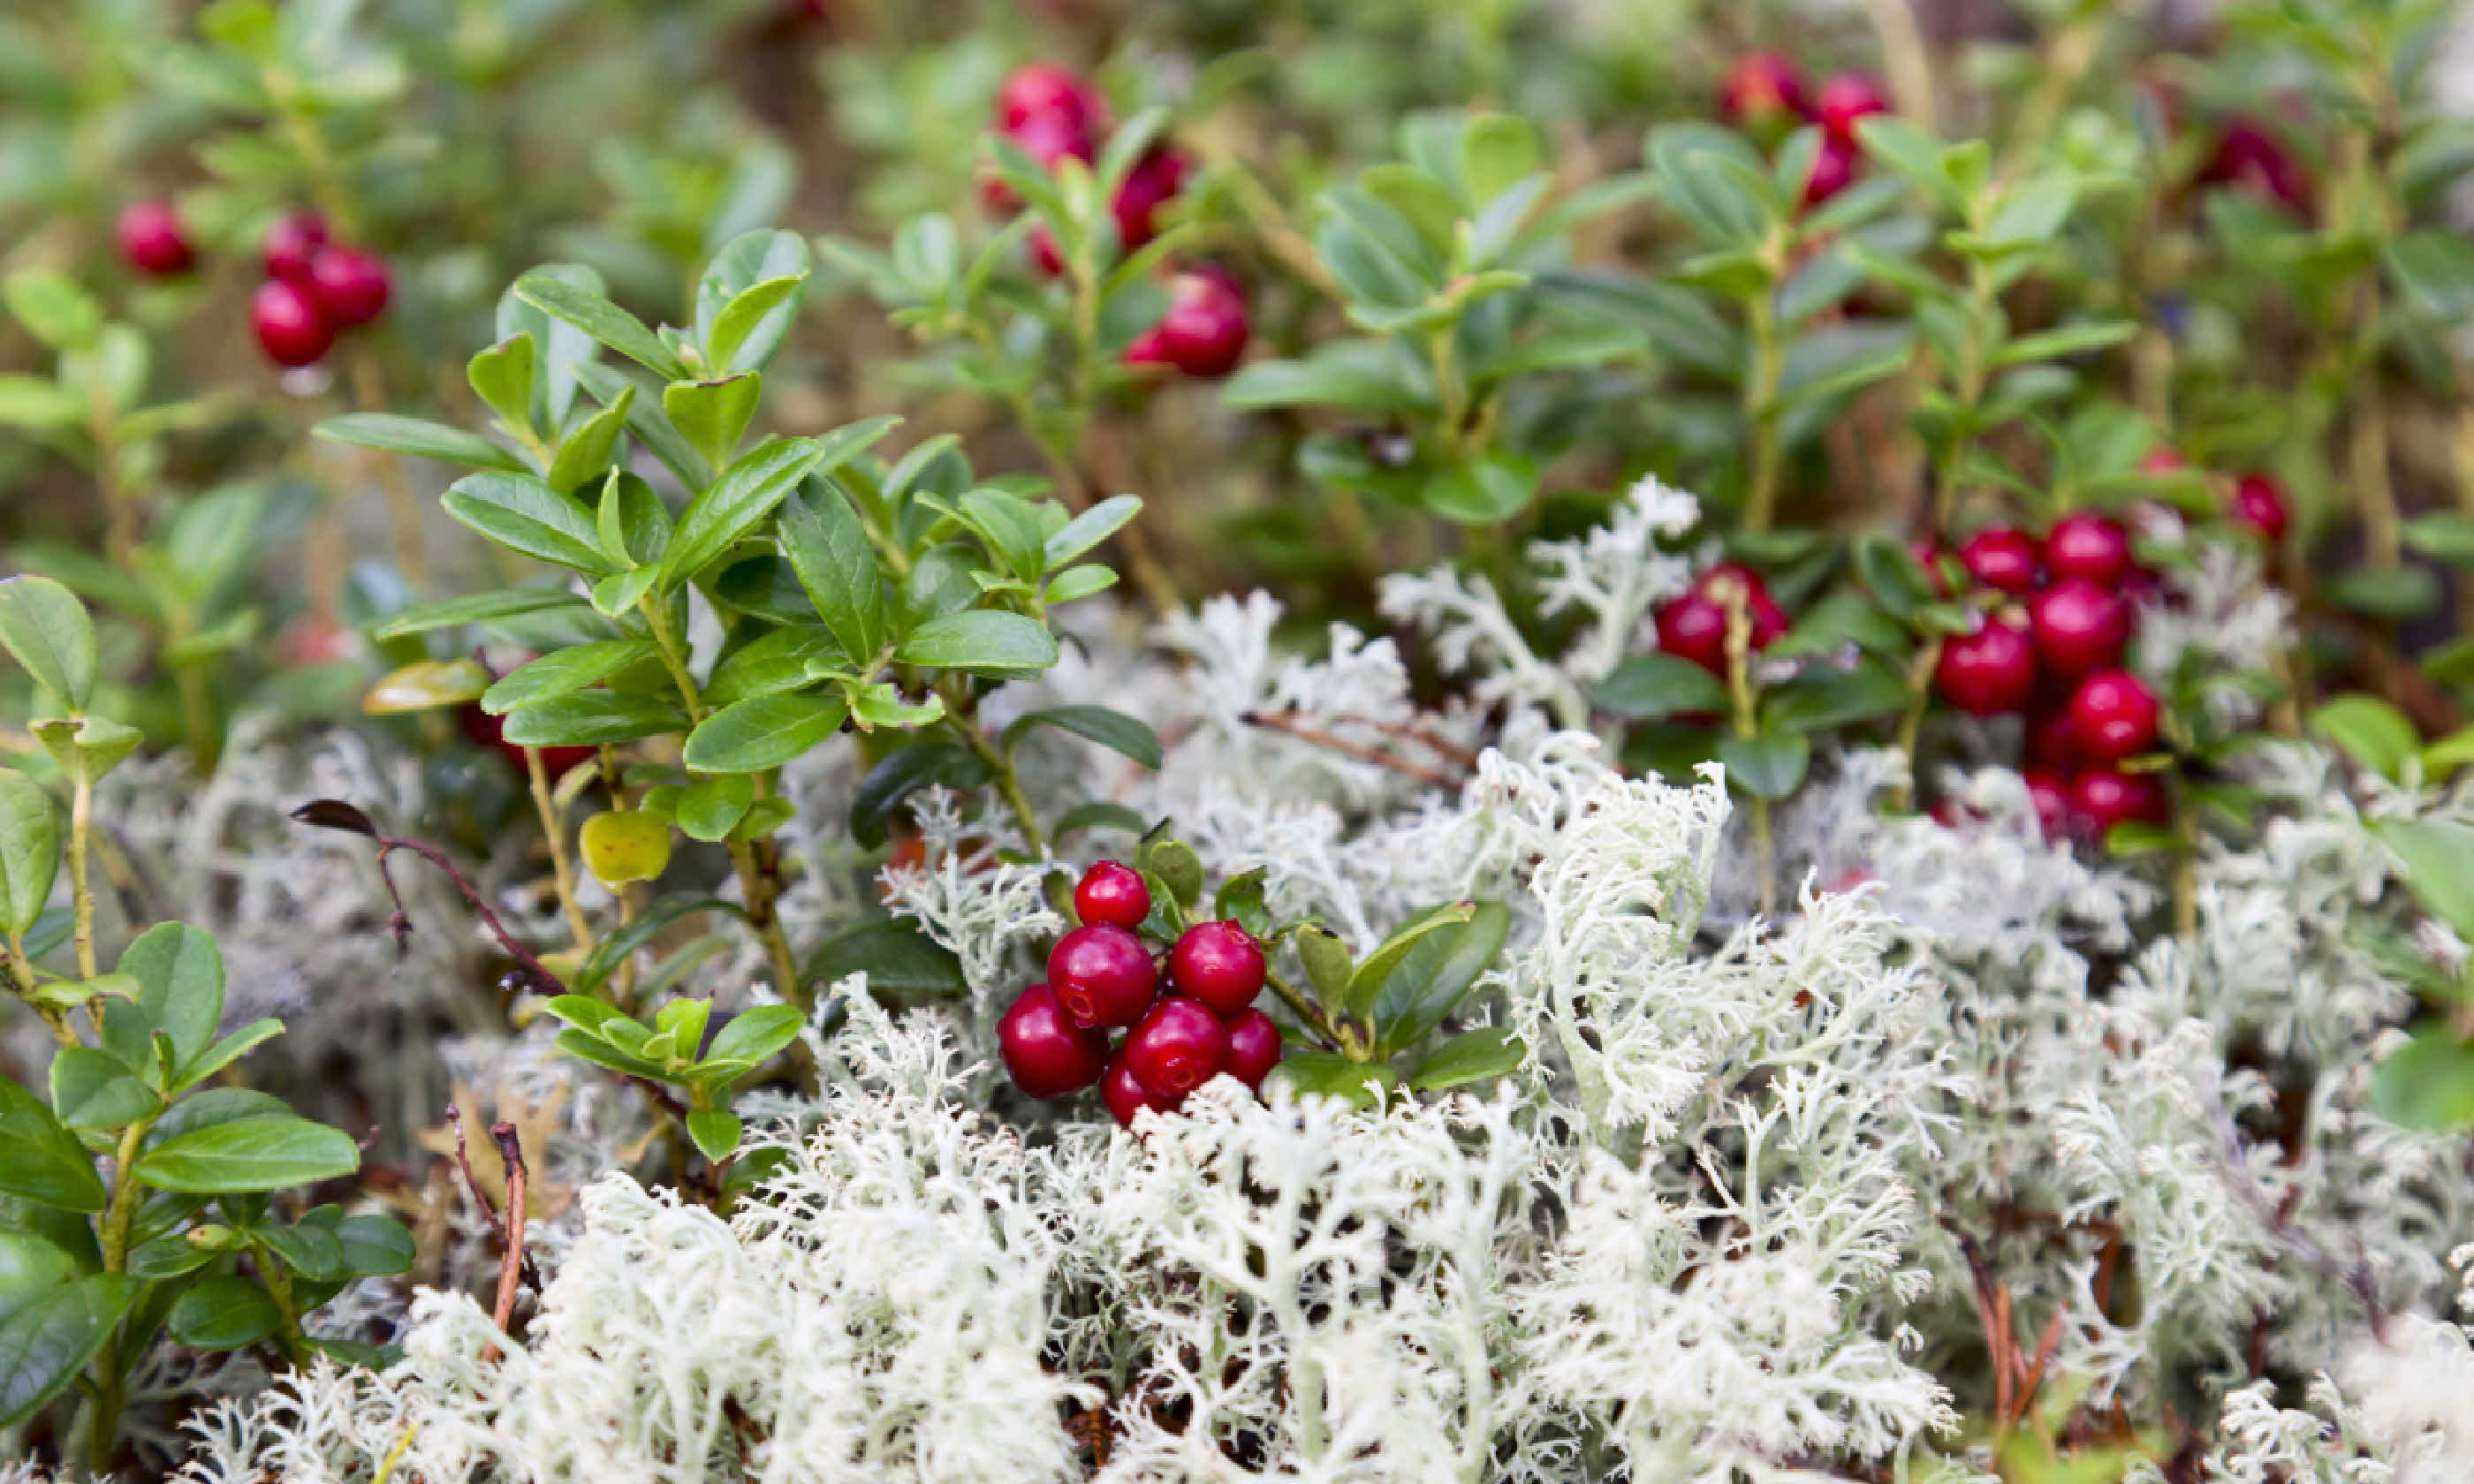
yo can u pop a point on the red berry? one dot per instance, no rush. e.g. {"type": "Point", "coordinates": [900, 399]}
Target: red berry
{"type": "Point", "coordinates": [151, 239]}
{"type": "Point", "coordinates": [2087, 544]}
{"type": "Point", "coordinates": [483, 729]}
{"type": "Point", "coordinates": [2052, 796]}
{"type": "Point", "coordinates": [1125, 1095]}
{"type": "Point", "coordinates": [2259, 502]}
{"type": "Point", "coordinates": [1988, 672]}
{"type": "Point", "coordinates": [2003, 558]}
{"type": "Point", "coordinates": [289, 327]}
{"type": "Point", "coordinates": [1763, 88]}
{"type": "Point", "coordinates": [1113, 892]}
{"type": "Point", "coordinates": [2080, 626]}
{"type": "Point", "coordinates": [1046, 1054]}
{"type": "Point", "coordinates": [291, 243]}
{"type": "Point", "coordinates": [1178, 1047]}
{"type": "Point", "coordinates": [1253, 1047]}
{"type": "Point", "coordinates": [1103, 976]}
{"type": "Point", "coordinates": [2112, 715]}
{"type": "Point", "coordinates": [1833, 169]}
{"type": "Point", "coordinates": [1694, 625]}
{"type": "Point", "coordinates": [2051, 743]}
{"type": "Point", "coordinates": [349, 286]}
{"type": "Point", "coordinates": [1149, 185]}
{"type": "Point", "coordinates": [1846, 98]}
{"type": "Point", "coordinates": [1043, 89]}
{"type": "Point", "coordinates": [2102, 797]}
{"type": "Point", "coordinates": [1219, 964]}
{"type": "Point", "coordinates": [1204, 333]}
{"type": "Point", "coordinates": [2249, 156]}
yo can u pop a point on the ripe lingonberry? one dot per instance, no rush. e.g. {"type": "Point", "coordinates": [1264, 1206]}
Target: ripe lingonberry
{"type": "Point", "coordinates": [1046, 1054]}
{"type": "Point", "coordinates": [1125, 1095]}
{"type": "Point", "coordinates": [2003, 558]}
{"type": "Point", "coordinates": [2051, 798]}
{"type": "Point", "coordinates": [1763, 89]}
{"type": "Point", "coordinates": [1149, 185]}
{"type": "Point", "coordinates": [1694, 626]}
{"type": "Point", "coordinates": [351, 286]}
{"type": "Point", "coordinates": [2258, 501]}
{"type": "Point", "coordinates": [1833, 169]}
{"type": "Point", "coordinates": [1253, 1047]}
{"type": "Point", "coordinates": [1112, 891]}
{"type": "Point", "coordinates": [291, 244]}
{"type": "Point", "coordinates": [2080, 626]}
{"type": "Point", "coordinates": [2087, 544]}
{"type": "Point", "coordinates": [1203, 332]}
{"type": "Point", "coordinates": [2113, 716]}
{"type": "Point", "coordinates": [1043, 89]}
{"type": "Point", "coordinates": [2249, 156]}
{"type": "Point", "coordinates": [2102, 797]}
{"type": "Point", "coordinates": [1219, 964]}
{"type": "Point", "coordinates": [151, 238]}
{"type": "Point", "coordinates": [2050, 741]}
{"type": "Point", "coordinates": [1177, 1047]}
{"type": "Point", "coordinates": [1988, 672]}
{"type": "Point", "coordinates": [1103, 976]}
{"type": "Point", "coordinates": [1844, 99]}
{"type": "Point", "coordinates": [289, 327]}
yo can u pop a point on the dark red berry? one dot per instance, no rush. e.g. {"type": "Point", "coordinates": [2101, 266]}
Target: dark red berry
{"type": "Point", "coordinates": [2258, 502]}
{"type": "Point", "coordinates": [1204, 333]}
{"type": "Point", "coordinates": [1046, 1054]}
{"type": "Point", "coordinates": [349, 286]}
{"type": "Point", "coordinates": [1694, 625]}
{"type": "Point", "coordinates": [2087, 544]}
{"type": "Point", "coordinates": [2102, 797]}
{"type": "Point", "coordinates": [1043, 89]}
{"type": "Point", "coordinates": [289, 327]}
{"type": "Point", "coordinates": [2112, 715]}
{"type": "Point", "coordinates": [1125, 1095]}
{"type": "Point", "coordinates": [151, 238]}
{"type": "Point", "coordinates": [483, 729]}
{"type": "Point", "coordinates": [2250, 157]}
{"type": "Point", "coordinates": [2080, 626]}
{"type": "Point", "coordinates": [2051, 798]}
{"type": "Point", "coordinates": [291, 244]}
{"type": "Point", "coordinates": [2051, 743]}
{"type": "Point", "coordinates": [1833, 169]}
{"type": "Point", "coordinates": [1253, 1047]}
{"type": "Point", "coordinates": [1103, 976]}
{"type": "Point", "coordinates": [1177, 1047]}
{"type": "Point", "coordinates": [1988, 672]}
{"type": "Point", "coordinates": [2003, 558]}
{"type": "Point", "coordinates": [1219, 964]}
{"type": "Point", "coordinates": [1763, 89]}
{"type": "Point", "coordinates": [1112, 891]}
{"type": "Point", "coordinates": [1153, 183]}
{"type": "Point", "coordinates": [1844, 99]}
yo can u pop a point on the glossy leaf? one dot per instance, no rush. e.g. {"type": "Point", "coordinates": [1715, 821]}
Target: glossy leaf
{"type": "Point", "coordinates": [47, 1337]}
{"type": "Point", "coordinates": [263, 1153]}
{"type": "Point", "coordinates": [30, 851]}
{"type": "Point", "coordinates": [1482, 1055]}
{"type": "Point", "coordinates": [40, 1160]}
{"type": "Point", "coordinates": [765, 731]}
{"type": "Point", "coordinates": [740, 496]}
{"type": "Point", "coordinates": [418, 438]}
{"type": "Point", "coordinates": [527, 515]}
{"type": "Point", "coordinates": [223, 1312]}
{"type": "Point", "coordinates": [981, 641]}
{"type": "Point", "coordinates": [827, 547]}
{"type": "Point", "coordinates": [1113, 729]}
{"type": "Point", "coordinates": [46, 631]}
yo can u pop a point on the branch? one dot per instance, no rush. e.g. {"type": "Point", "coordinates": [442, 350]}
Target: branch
{"type": "Point", "coordinates": [511, 1264]}
{"type": "Point", "coordinates": [336, 814]}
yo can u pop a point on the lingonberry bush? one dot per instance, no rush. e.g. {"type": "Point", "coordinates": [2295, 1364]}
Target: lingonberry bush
{"type": "Point", "coordinates": [1778, 789]}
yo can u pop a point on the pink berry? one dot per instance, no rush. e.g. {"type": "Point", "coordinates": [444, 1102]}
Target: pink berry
{"type": "Point", "coordinates": [2113, 716]}
{"type": "Point", "coordinates": [291, 243]}
{"type": "Point", "coordinates": [2102, 797]}
{"type": "Point", "coordinates": [351, 286]}
{"type": "Point", "coordinates": [1178, 1047]}
{"type": "Point", "coordinates": [2003, 558]}
{"type": "Point", "coordinates": [1153, 183]}
{"type": "Point", "coordinates": [1125, 1095]}
{"type": "Point", "coordinates": [1102, 975]}
{"type": "Point", "coordinates": [1846, 99]}
{"type": "Point", "coordinates": [1988, 672]}
{"type": "Point", "coordinates": [1833, 169]}
{"type": "Point", "coordinates": [1114, 893]}
{"type": "Point", "coordinates": [1219, 964]}
{"type": "Point", "coordinates": [1203, 332]}
{"type": "Point", "coordinates": [2258, 502]}
{"type": "Point", "coordinates": [289, 327]}
{"type": "Point", "coordinates": [1762, 88]}
{"type": "Point", "coordinates": [2087, 544]}
{"type": "Point", "coordinates": [1253, 1047]}
{"type": "Point", "coordinates": [152, 240]}
{"type": "Point", "coordinates": [1043, 89]}
{"type": "Point", "coordinates": [1046, 1054]}
{"type": "Point", "coordinates": [2079, 625]}
{"type": "Point", "coordinates": [1694, 626]}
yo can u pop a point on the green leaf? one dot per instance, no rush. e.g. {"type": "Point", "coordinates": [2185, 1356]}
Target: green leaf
{"type": "Point", "coordinates": [223, 1312]}
{"type": "Point", "coordinates": [2399, 593]}
{"type": "Point", "coordinates": [2068, 340]}
{"type": "Point", "coordinates": [1648, 686]}
{"type": "Point", "coordinates": [30, 851]}
{"type": "Point", "coordinates": [597, 316]}
{"type": "Point", "coordinates": [37, 404]}
{"type": "Point", "coordinates": [479, 608]}
{"type": "Point", "coordinates": [1327, 1074]}
{"type": "Point", "coordinates": [905, 771]}
{"type": "Point", "coordinates": [308, 1249]}
{"type": "Point", "coordinates": [527, 515]}
{"type": "Point", "coordinates": [89, 748]}
{"type": "Point", "coordinates": [46, 631]}
{"type": "Point", "coordinates": [764, 731]}
{"type": "Point", "coordinates": [1366, 983]}
{"type": "Point", "coordinates": [740, 496]}
{"type": "Point", "coordinates": [981, 642]}
{"type": "Point", "coordinates": [1424, 985]}
{"type": "Point", "coordinates": [1767, 766]}
{"type": "Point", "coordinates": [829, 550]}
{"type": "Point", "coordinates": [223, 1053]}
{"type": "Point", "coordinates": [182, 972]}
{"type": "Point", "coordinates": [48, 1337]}
{"type": "Point", "coordinates": [2428, 1083]}
{"type": "Point", "coordinates": [376, 1246]}
{"type": "Point", "coordinates": [2446, 535]}
{"type": "Point", "coordinates": [40, 1160]}
{"type": "Point", "coordinates": [1114, 731]}
{"type": "Point", "coordinates": [713, 415]}
{"type": "Point", "coordinates": [51, 307]}
{"type": "Point", "coordinates": [264, 1152]}
{"type": "Point", "coordinates": [95, 1090]}
{"type": "Point", "coordinates": [748, 299]}
{"type": "Point", "coordinates": [784, 659]}
{"type": "Point", "coordinates": [2372, 732]}
{"type": "Point", "coordinates": [1482, 1055]}
{"type": "Point", "coordinates": [587, 453]}
{"type": "Point", "coordinates": [563, 672]}
{"type": "Point", "coordinates": [897, 958]}
{"type": "Point", "coordinates": [502, 377]}
{"type": "Point", "coordinates": [1482, 490]}
{"type": "Point", "coordinates": [1328, 964]}
{"type": "Point", "coordinates": [2437, 856]}
{"type": "Point", "coordinates": [711, 807]}
{"type": "Point", "coordinates": [624, 941]}
{"type": "Point", "coordinates": [1823, 697]}
{"type": "Point", "coordinates": [716, 1132]}
{"type": "Point", "coordinates": [755, 1035]}
{"type": "Point", "coordinates": [591, 718]}
{"type": "Point", "coordinates": [2434, 268]}
{"type": "Point", "coordinates": [418, 438]}
{"type": "Point", "coordinates": [1089, 529]}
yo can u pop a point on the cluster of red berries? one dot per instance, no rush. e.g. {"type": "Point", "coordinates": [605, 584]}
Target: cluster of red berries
{"type": "Point", "coordinates": [1101, 977]}
{"type": "Point", "coordinates": [1765, 93]}
{"type": "Point", "coordinates": [315, 289]}
{"type": "Point", "coordinates": [1055, 116]}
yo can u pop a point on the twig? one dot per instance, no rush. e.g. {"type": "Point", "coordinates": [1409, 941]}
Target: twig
{"type": "Point", "coordinates": [511, 1264]}
{"type": "Point", "coordinates": [1287, 722]}
{"type": "Point", "coordinates": [335, 814]}
{"type": "Point", "coordinates": [481, 1197]}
